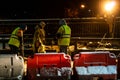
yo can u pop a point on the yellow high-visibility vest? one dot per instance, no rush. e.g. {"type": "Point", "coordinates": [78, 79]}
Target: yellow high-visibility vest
{"type": "Point", "coordinates": [65, 30]}
{"type": "Point", "coordinates": [14, 40]}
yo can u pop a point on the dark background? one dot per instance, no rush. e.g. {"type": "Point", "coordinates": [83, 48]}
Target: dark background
{"type": "Point", "coordinates": [19, 9]}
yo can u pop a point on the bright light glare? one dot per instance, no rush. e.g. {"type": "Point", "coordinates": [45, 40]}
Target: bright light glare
{"type": "Point", "coordinates": [82, 6]}
{"type": "Point", "coordinates": [110, 5]}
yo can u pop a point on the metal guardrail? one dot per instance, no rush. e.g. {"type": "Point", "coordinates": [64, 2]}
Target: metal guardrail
{"type": "Point", "coordinates": [74, 40]}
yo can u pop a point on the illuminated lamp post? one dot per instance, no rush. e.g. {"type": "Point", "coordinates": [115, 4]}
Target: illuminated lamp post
{"type": "Point", "coordinates": [82, 6]}
{"type": "Point", "coordinates": [109, 10]}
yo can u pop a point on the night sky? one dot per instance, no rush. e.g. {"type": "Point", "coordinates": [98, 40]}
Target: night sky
{"type": "Point", "coordinates": [32, 9]}
{"type": "Point", "coordinates": [47, 9]}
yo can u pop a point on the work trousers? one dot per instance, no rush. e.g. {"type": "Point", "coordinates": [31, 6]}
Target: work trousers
{"type": "Point", "coordinates": [63, 49]}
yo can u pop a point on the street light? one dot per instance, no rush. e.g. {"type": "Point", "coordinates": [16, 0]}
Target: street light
{"type": "Point", "coordinates": [82, 6]}
{"type": "Point", "coordinates": [109, 8]}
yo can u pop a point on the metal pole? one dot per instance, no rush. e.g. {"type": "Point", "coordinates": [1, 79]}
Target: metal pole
{"type": "Point", "coordinates": [22, 47]}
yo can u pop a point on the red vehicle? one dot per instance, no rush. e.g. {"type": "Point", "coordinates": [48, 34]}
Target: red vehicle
{"type": "Point", "coordinates": [49, 66]}
{"type": "Point", "coordinates": [95, 65]}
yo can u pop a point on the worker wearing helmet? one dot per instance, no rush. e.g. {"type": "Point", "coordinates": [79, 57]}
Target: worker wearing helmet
{"type": "Point", "coordinates": [63, 36]}
{"type": "Point", "coordinates": [16, 39]}
{"type": "Point", "coordinates": [39, 38]}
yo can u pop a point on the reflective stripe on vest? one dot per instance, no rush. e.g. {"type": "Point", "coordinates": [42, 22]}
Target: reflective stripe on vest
{"type": "Point", "coordinates": [15, 38]}
{"type": "Point", "coordinates": [66, 36]}
{"type": "Point", "coordinates": [66, 33]}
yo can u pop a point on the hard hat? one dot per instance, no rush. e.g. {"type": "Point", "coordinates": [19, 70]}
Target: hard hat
{"type": "Point", "coordinates": [42, 23]}
{"type": "Point", "coordinates": [62, 22]}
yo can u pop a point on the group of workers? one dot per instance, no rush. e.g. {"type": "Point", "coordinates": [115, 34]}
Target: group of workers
{"type": "Point", "coordinates": [62, 35]}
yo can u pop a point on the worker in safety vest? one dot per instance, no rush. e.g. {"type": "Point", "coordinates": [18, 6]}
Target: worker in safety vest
{"type": "Point", "coordinates": [63, 36]}
{"type": "Point", "coordinates": [16, 38]}
{"type": "Point", "coordinates": [39, 38]}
